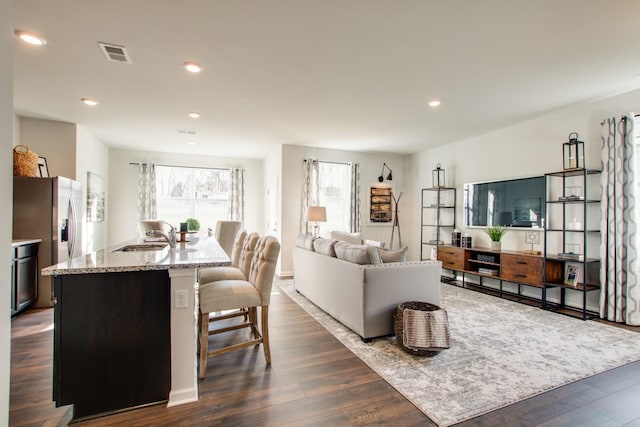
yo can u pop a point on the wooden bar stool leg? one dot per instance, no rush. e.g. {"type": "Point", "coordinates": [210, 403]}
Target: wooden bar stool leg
{"type": "Point", "coordinates": [204, 343]}
{"type": "Point", "coordinates": [265, 333]}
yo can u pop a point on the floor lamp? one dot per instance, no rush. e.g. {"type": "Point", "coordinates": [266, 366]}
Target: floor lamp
{"type": "Point", "coordinates": [316, 214]}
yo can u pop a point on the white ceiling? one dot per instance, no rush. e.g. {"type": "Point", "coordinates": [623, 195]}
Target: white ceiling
{"type": "Point", "coordinates": [341, 74]}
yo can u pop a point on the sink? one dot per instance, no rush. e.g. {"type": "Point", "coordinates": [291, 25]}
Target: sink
{"type": "Point", "coordinates": [141, 247]}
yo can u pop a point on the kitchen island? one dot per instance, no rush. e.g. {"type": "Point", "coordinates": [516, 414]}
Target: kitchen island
{"type": "Point", "coordinates": [125, 325]}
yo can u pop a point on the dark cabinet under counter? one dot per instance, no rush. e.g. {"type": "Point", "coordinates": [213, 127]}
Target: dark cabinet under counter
{"type": "Point", "coordinates": [24, 275]}
{"type": "Point", "coordinates": [112, 341]}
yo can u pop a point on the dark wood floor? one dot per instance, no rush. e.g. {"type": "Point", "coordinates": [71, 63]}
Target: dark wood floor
{"type": "Point", "coordinates": [313, 381]}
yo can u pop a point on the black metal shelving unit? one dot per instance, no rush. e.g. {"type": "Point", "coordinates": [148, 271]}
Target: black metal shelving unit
{"type": "Point", "coordinates": [569, 195]}
{"type": "Point", "coordinates": [437, 218]}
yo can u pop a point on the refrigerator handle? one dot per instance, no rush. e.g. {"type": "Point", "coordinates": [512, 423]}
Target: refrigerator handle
{"type": "Point", "coordinates": [72, 228]}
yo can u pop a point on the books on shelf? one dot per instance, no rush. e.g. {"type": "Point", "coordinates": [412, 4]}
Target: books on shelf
{"type": "Point", "coordinates": [490, 271]}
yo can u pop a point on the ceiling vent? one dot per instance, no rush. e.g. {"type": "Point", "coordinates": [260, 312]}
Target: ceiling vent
{"type": "Point", "coordinates": [115, 53]}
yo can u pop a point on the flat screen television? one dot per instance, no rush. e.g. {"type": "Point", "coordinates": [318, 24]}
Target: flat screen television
{"type": "Point", "coordinates": [511, 203]}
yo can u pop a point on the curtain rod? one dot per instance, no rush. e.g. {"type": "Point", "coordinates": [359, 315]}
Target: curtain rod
{"type": "Point", "coordinates": [331, 163]}
{"type": "Point", "coordinates": [179, 166]}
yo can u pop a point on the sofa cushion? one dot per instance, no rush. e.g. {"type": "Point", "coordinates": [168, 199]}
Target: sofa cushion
{"type": "Point", "coordinates": [358, 254]}
{"type": "Point", "coordinates": [305, 241]}
{"type": "Point", "coordinates": [325, 246]}
{"type": "Point", "coordinates": [355, 238]}
{"type": "Point", "coordinates": [393, 255]}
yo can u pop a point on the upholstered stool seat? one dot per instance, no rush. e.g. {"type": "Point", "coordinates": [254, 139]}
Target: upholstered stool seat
{"type": "Point", "coordinates": [249, 294]}
{"type": "Point", "coordinates": [240, 264]}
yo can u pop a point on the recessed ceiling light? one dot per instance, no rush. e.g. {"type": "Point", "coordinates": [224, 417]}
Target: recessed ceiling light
{"type": "Point", "coordinates": [194, 114]}
{"type": "Point", "coordinates": [30, 38]}
{"type": "Point", "coordinates": [434, 103]}
{"type": "Point", "coordinates": [192, 143]}
{"type": "Point", "coordinates": [89, 101]}
{"type": "Point", "coordinates": [192, 67]}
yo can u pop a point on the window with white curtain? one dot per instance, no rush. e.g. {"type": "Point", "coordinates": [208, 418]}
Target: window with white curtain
{"type": "Point", "coordinates": [335, 194]}
{"type": "Point", "coordinates": [188, 192]}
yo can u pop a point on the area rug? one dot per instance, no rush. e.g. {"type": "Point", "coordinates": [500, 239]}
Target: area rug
{"type": "Point", "coordinates": [501, 352]}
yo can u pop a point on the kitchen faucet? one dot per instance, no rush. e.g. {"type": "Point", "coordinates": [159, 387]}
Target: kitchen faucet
{"type": "Point", "coordinates": [170, 237]}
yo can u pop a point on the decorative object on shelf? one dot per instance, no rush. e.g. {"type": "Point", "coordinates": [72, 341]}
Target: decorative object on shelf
{"type": "Point", "coordinates": [438, 177]}
{"type": "Point", "coordinates": [184, 227]}
{"type": "Point", "coordinates": [316, 214]}
{"type": "Point", "coordinates": [532, 237]}
{"type": "Point", "coordinates": [434, 253]}
{"type": "Point", "coordinates": [396, 221]}
{"type": "Point", "coordinates": [456, 238]}
{"type": "Point", "coordinates": [573, 153]}
{"type": "Point", "coordinates": [25, 161]}
{"type": "Point", "coordinates": [466, 241]}
{"type": "Point", "coordinates": [389, 177]}
{"type": "Point", "coordinates": [571, 277]}
{"type": "Point", "coordinates": [43, 169]}
{"type": "Point", "coordinates": [495, 233]}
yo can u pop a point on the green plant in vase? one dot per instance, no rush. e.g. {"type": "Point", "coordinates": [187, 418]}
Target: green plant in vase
{"type": "Point", "coordinates": [192, 224]}
{"type": "Point", "coordinates": [495, 233]}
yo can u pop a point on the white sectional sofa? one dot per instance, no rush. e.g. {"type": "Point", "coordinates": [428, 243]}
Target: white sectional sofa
{"type": "Point", "coordinates": [364, 296]}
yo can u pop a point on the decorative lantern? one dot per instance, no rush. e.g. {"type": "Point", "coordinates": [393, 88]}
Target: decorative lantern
{"type": "Point", "coordinates": [438, 177]}
{"type": "Point", "coordinates": [573, 153]}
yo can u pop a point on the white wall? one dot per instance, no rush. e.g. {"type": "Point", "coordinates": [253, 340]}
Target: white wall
{"type": "Point", "coordinates": [92, 156]}
{"type": "Point", "coordinates": [526, 149]}
{"type": "Point", "coordinates": [122, 186]}
{"type": "Point", "coordinates": [7, 138]}
{"type": "Point", "coordinates": [370, 167]}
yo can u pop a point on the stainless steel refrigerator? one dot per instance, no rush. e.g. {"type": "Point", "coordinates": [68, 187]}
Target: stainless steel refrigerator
{"type": "Point", "coordinates": [49, 209]}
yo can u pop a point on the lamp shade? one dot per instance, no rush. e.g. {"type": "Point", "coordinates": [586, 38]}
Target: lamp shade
{"type": "Point", "coordinates": [316, 213]}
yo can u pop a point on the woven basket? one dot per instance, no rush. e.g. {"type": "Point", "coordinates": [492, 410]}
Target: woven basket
{"type": "Point", "coordinates": [421, 329]}
{"type": "Point", "coordinates": [25, 161]}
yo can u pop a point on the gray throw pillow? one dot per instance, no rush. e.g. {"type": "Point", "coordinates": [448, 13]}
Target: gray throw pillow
{"type": "Point", "coordinates": [358, 254]}
{"type": "Point", "coordinates": [325, 246]}
{"type": "Point", "coordinates": [393, 255]}
{"type": "Point", "coordinates": [305, 241]}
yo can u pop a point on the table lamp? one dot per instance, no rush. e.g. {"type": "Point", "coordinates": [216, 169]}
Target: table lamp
{"type": "Point", "coordinates": [316, 214]}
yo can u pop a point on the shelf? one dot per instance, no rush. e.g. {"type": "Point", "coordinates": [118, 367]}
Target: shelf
{"type": "Point", "coordinates": [493, 264]}
{"type": "Point", "coordinates": [568, 259]}
{"type": "Point", "coordinates": [574, 172]}
{"type": "Point", "coordinates": [572, 311]}
{"type": "Point", "coordinates": [578, 287]}
{"type": "Point", "coordinates": [570, 230]}
{"type": "Point", "coordinates": [567, 202]}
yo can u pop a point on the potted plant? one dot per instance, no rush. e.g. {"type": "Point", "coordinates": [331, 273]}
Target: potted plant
{"type": "Point", "coordinates": [495, 233]}
{"type": "Point", "coordinates": [192, 224]}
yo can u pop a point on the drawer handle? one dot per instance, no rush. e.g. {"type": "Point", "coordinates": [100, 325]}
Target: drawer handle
{"type": "Point", "coordinates": [451, 253]}
{"type": "Point", "coordinates": [450, 263]}
{"type": "Point", "coordinates": [522, 262]}
{"type": "Point", "coordinates": [521, 275]}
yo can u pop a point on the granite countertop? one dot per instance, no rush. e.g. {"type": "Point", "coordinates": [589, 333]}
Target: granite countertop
{"type": "Point", "coordinates": [201, 252]}
{"type": "Point", "coordinates": [21, 242]}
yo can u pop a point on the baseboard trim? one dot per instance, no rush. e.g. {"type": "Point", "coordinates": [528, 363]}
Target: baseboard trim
{"type": "Point", "coordinates": [180, 397]}
{"type": "Point", "coordinates": [283, 275]}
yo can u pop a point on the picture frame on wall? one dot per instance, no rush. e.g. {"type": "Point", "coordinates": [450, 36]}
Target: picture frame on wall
{"type": "Point", "coordinates": [572, 274]}
{"type": "Point", "coordinates": [43, 169]}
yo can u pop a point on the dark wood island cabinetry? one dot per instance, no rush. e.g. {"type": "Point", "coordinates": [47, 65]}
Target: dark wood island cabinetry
{"type": "Point", "coordinates": [112, 340]}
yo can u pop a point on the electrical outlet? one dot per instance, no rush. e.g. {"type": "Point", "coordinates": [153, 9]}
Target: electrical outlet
{"type": "Point", "coordinates": [181, 298]}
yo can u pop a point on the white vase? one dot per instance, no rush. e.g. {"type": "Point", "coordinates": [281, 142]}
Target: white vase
{"type": "Point", "coordinates": [495, 245]}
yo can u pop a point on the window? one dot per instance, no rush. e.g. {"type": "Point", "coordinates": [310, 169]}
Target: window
{"type": "Point", "coordinates": [185, 192]}
{"type": "Point", "coordinates": [335, 194]}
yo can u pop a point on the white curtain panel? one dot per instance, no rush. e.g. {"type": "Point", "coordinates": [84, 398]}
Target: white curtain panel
{"type": "Point", "coordinates": [147, 207]}
{"type": "Point", "coordinates": [620, 293]}
{"type": "Point", "coordinates": [310, 190]}
{"type": "Point", "coordinates": [237, 195]}
{"type": "Point", "coordinates": [355, 198]}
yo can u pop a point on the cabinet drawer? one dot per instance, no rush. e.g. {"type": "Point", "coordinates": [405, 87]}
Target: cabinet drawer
{"type": "Point", "coordinates": [26, 251]}
{"type": "Point", "coordinates": [451, 257]}
{"type": "Point", "coordinates": [522, 269]}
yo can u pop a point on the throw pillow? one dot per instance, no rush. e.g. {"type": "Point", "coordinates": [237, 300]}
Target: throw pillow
{"type": "Point", "coordinates": [393, 255]}
{"type": "Point", "coordinates": [325, 246]}
{"type": "Point", "coordinates": [358, 254]}
{"type": "Point", "coordinates": [355, 238]}
{"type": "Point", "coordinates": [375, 243]}
{"type": "Point", "coordinates": [305, 241]}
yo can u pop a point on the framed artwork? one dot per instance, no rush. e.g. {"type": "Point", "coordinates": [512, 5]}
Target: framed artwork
{"type": "Point", "coordinates": [43, 169]}
{"type": "Point", "coordinates": [571, 276]}
{"type": "Point", "coordinates": [95, 197]}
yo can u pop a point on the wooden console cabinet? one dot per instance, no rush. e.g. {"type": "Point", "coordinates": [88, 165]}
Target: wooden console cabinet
{"type": "Point", "coordinates": [511, 266]}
